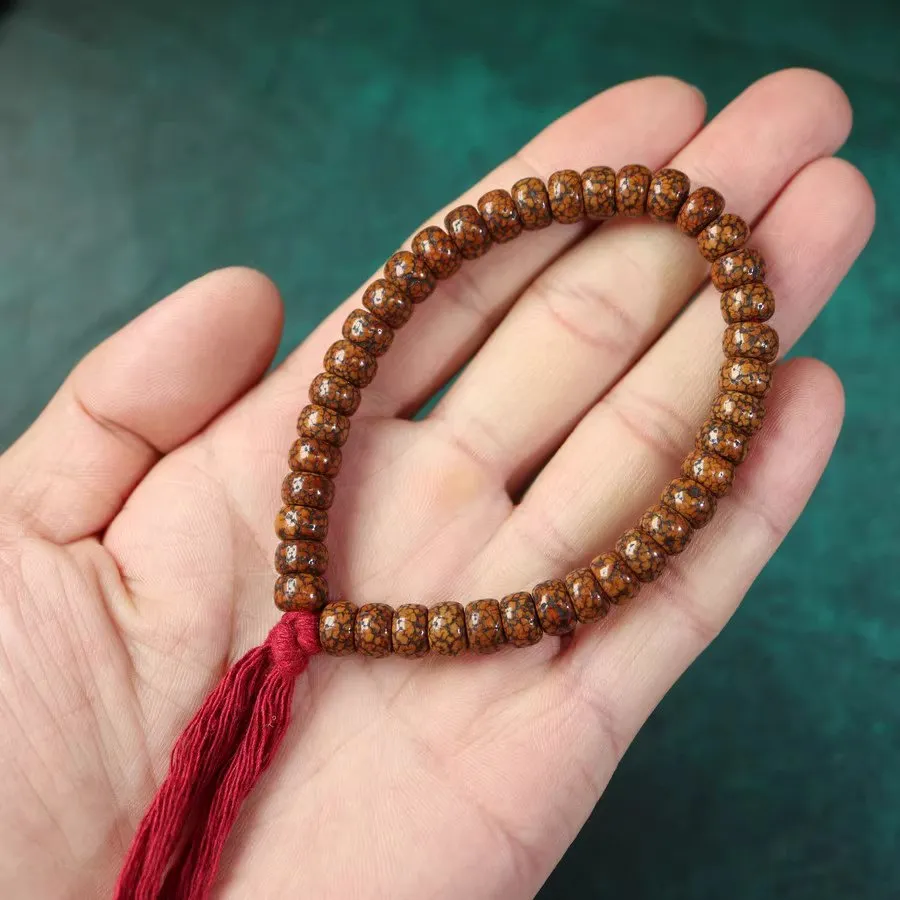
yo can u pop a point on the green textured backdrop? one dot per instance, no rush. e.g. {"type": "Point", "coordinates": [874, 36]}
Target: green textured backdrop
{"type": "Point", "coordinates": [146, 142]}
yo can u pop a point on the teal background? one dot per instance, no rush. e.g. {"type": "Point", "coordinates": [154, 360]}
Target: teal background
{"type": "Point", "coordinates": [143, 143]}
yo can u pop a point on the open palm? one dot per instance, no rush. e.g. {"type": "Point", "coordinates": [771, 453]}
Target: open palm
{"type": "Point", "coordinates": [136, 525]}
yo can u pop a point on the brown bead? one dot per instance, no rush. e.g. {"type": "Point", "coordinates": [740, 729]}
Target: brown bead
{"type": "Point", "coordinates": [333, 392]}
{"type": "Point", "coordinates": [641, 554]}
{"type": "Point", "coordinates": [438, 249]}
{"type": "Point", "coordinates": [301, 523]}
{"type": "Point", "coordinates": [520, 620]}
{"type": "Point", "coordinates": [748, 303]}
{"type": "Point", "coordinates": [409, 632]}
{"type": "Point", "coordinates": [741, 411]}
{"type": "Point", "coordinates": [691, 500]}
{"type": "Point", "coordinates": [372, 632]}
{"type": "Point", "coordinates": [724, 440]}
{"type": "Point", "coordinates": [469, 231]}
{"type": "Point", "coordinates": [669, 529]}
{"type": "Point", "coordinates": [751, 340]}
{"type": "Point", "coordinates": [598, 185]}
{"type": "Point", "coordinates": [566, 196]}
{"type": "Point", "coordinates": [614, 577]}
{"type": "Point", "coordinates": [300, 592]}
{"type": "Point", "coordinates": [367, 331]}
{"type": "Point", "coordinates": [632, 187]}
{"type": "Point", "coordinates": [669, 189]}
{"type": "Point", "coordinates": [409, 273]}
{"type": "Point", "coordinates": [484, 626]}
{"type": "Point", "coordinates": [307, 489]}
{"type": "Point", "coordinates": [336, 625]}
{"type": "Point", "coordinates": [498, 209]}
{"type": "Point", "coordinates": [746, 376]}
{"type": "Point", "coordinates": [447, 628]}
{"type": "Point", "coordinates": [588, 601]}
{"type": "Point", "coordinates": [388, 302]}
{"type": "Point", "coordinates": [324, 424]}
{"type": "Point", "coordinates": [711, 471]}
{"type": "Point", "coordinates": [703, 205]}
{"type": "Point", "coordinates": [532, 203]}
{"type": "Point", "coordinates": [351, 362]}
{"type": "Point", "coordinates": [301, 558]}
{"type": "Point", "coordinates": [554, 608]}
{"type": "Point", "coordinates": [728, 232]}
{"type": "Point", "coordinates": [739, 267]}
{"type": "Point", "coordinates": [308, 454]}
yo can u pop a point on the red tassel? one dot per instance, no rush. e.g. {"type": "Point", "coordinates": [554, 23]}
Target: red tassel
{"type": "Point", "coordinates": [215, 763]}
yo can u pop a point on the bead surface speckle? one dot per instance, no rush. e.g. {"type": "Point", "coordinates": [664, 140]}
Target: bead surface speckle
{"type": "Point", "coordinates": [439, 251]}
{"type": "Point", "coordinates": [334, 392]}
{"type": "Point", "coordinates": [336, 626]}
{"type": "Point", "coordinates": [668, 191]}
{"type": "Point", "coordinates": [388, 302]}
{"type": "Point", "coordinates": [566, 196]}
{"type": "Point", "coordinates": [296, 523]}
{"type": "Point", "coordinates": [447, 628]}
{"type": "Point", "coordinates": [632, 187]}
{"type": "Point", "coordinates": [484, 626]}
{"type": "Point", "coordinates": [614, 577]}
{"type": "Point", "coordinates": [372, 633]}
{"type": "Point", "coordinates": [728, 232]}
{"type": "Point", "coordinates": [309, 454]}
{"type": "Point", "coordinates": [325, 424]}
{"type": "Point", "coordinates": [301, 557]}
{"type": "Point", "coordinates": [598, 186]}
{"type": "Point", "coordinates": [711, 471]}
{"type": "Point", "coordinates": [690, 500]}
{"type": "Point", "coordinates": [409, 630]}
{"type": "Point", "coordinates": [409, 273]}
{"type": "Point", "coordinates": [498, 209]}
{"type": "Point", "coordinates": [748, 303]}
{"type": "Point", "coordinates": [307, 489]}
{"type": "Point", "coordinates": [700, 208]}
{"type": "Point", "coordinates": [642, 554]}
{"type": "Point", "coordinates": [746, 376]}
{"type": "Point", "coordinates": [588, 601]}
{"type": "Point", "coordinates": [520, 619]}
{"type": "Point", "coordinates": [469, 231]}
{"type": "Point", "coordinates": [669, 529]}
{"type": "Point", "coordinates": [723, 439]}
{"type": "Point", "coordinates": [368, 332]}
{"type": "Point", "coordinates": [744, 266]}
{"type": "Point", "coordinates": [532, 203]}
{"type": "Point", "coordinates": [300, 592]}
{"type": "Point", "coordinates": [554, 607]}
{"type": "Point", "coordinates": [351, 362]}
{"type": "Point", "coordinates": [744, 412]}
{"type": "Point", "coordinates": [751, 340]}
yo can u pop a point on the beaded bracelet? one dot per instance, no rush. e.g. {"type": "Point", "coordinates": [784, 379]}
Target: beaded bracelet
{"type": "Point", "coordinates": [688, 502]}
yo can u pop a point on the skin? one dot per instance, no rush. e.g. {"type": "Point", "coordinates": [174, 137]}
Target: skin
{"type": "Point", "coordinates": [136, 525]}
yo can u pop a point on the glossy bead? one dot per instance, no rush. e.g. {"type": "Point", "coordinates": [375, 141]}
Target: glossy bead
{"type": "Point", "coordinates": [409, 632]}
{"type": "Point", "coordinates": [724, 440]}
{"type": "Point", "coordinates": [554, 608]}
{"type": "Point", "coordinates": [739, 267]}
{"type": "Point", "coordinates": [598, 185]}
{"type": "Point", "coordinates": [367, 331]}
{"type": "Point", "coordinates": [388, 302]}
{"type": "Point", "coordinates": [333, 392]}
{"type": "Point", "coordinates": [700, 208]}
{"type": "Point", "coordinates": [642, 554]}
{"type": "Point", "coordinates": [324, 424]}
{"type": "Point", "coordinates": [728, 232]}
{"type": "Point", "coordinates": [447, 628]}
{"type": "Point", "coordinates": [746, 376]}
{"type": "Point", "coordinates": [751, 340]}
{"type": "Point", "coordinates": [669, 529]}
{"type": "Point", "coordinates": [469, 231]}
{"type": "Point", "coordinates": [632, 187]}
{"type": "Point", "coordinates": [588, 601]}
{"type": "Point", "coordinates": [748, 303]}
{"type": "Point", "coordinates": [300, 592]}
{"type": "Point", "coordinates": [336, 625]}
{"type": "Point", "coordinates": [307, 489]}
{"type": "Point", "coordinates": [710, 471]}
{"type": "Point", "coordinates": [691, 500]}
{"type": "Point", "coordinates": [438, 250]}
{"type": "Point", "coordinates": [484, 626]}
{"type": "Point", "coordinates": [566, 196]}
{"type": "Point", "coordinates": [498, 209]}
{"type": "Point", "coordinates": [741, 411]}
{"type": "Point", "coordinates": [532, 203]}
{"type": "Point", "coordinates": [668, 191]}
{"type": "Point", "coordinates": [301, 558]}
{"type": "Point", "coordinates": [409, 273]}
{"type": "Point", "coordinates": [614, 577]}
{"type": "Point", "coordinates": [301, 523]}
{"type": "Point", "coordinates": [308, 454]}
{"type": "Point", "coordinates": [372, 631]}
{"type": "Point", "coordinates": [520, 620]}
{"type": "Point", "coordinates": [350, 362]}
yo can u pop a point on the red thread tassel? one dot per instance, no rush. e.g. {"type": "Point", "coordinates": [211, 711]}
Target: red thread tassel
{"type": "Point", "coordinates": [215, 763]}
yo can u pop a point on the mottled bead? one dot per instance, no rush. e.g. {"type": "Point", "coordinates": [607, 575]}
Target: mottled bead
{"type": "Point", "coordinates": [325, 424]}
{"type": "Point", "coordinates": [301, 557]}
{"type": "Point", "coordinates": [309, 454]}
{"type": "Point", "coordinates": [710, 471]}
{"type": "Point", "coordinates": [724, 440]}
{"type": "Point", "coordinates": [484, 626]}
{"type": "Point", "coordinates": [598, 186]}
{"type": "Point", "coordinates": [447, 628]}
{"type": "Point", "coordinates": [742, 411]}
{"type": "Point", "coordinates": [669, 529]}
{"type": "Point", "coordinates": [739, 267]}
{"type": "Point", "coordinates": [336, 625]}
{"type": "Point", "coordinates": [388, 302]}
{"type": "Point", "coordinates": [409, 273]}
{"type": "Point", "coordinates": [642, 554]}
{"type": "Point", "coordinates": [520, 620]}
{"type": "Point", "coordinates": [728, 232]}
{"type": "Point", "coordinates": [668, 190]}
{"type": "Point", "coordinates": [751, 340]}
{"type": "Point", "coordinates": [469, 231]}
{"type": "Point", "coordinates": [301, 523]}
{"type": "Point", "coordinates": [333, 392]}
{"type": "Point", "coordinates": [300, 592]}
{"type": "Point", "coordinates": [498, 209]}
{"type": "Point", "coordinates": [746, 376]}
{"type": "Point", "coordinates": [614, 577]}
{"type": "Point", "coordinates": [351, 362]}
{"type": "Point", "coordinates": [632, 187]}
{"type": "Point", "coordinates": [588, 601]}
{"type": "Point", "coordinates": [372, 631]}
{"type": "Point", "coordinates": [532, 203]}
{"type": "Point", "coordinates": [307, 489]}
{"type": "Point", "coordinates": [438, 250]}
{"type": "Point", "coordinates": [367, 331]}
{"type": "Point", "coordinates": [748, 303]}
{"type": "Point", "coordinates": [409, 632]}
{"type": "Point", "coordinates": [700, 208]}
{"type": "Point", "coordinates": [566, 197]}
{"type": "Point", "coordinates": [554, 608]}
{"type": "Point", "coordinates": [691, 500]}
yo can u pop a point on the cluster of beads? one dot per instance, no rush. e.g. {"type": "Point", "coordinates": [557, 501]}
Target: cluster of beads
{"type": "Point", "coordinates": [639, 556]}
